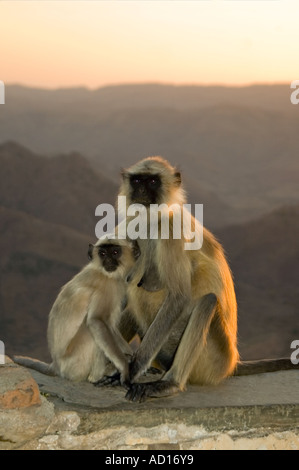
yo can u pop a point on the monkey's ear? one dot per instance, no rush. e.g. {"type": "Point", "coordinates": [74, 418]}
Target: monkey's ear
{"type": "Point", "coordinates": [124, 173]}
{"type": "Point", "coordinates": [177, 178]}
{"type": "Point", "coordinates": [90, 250]}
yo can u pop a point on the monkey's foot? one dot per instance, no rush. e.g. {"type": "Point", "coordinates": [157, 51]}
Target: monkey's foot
{"type": "Point", "coordinates": [112, 380]}
{"type": "Point", "coordinates": [153, 370]}
{"type": "Point", "coordinates": [141, 391]}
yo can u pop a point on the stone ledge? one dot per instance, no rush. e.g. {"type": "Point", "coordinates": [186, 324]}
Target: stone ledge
{"type": "Point", "coordinates": [250, 412]}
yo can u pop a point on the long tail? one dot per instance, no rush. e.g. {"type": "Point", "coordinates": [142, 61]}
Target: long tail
{"type": "Point", "coordinates": [35, 364]}
{"type": "Point", "coordinates": [264, 365]}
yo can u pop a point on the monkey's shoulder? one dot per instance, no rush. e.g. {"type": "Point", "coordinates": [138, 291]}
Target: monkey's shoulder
{"type": "Point", "coordinates": [90, 277]}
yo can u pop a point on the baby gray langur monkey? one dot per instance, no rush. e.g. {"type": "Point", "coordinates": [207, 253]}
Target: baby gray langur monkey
{"type": "Point", "coordinates": [83, 334]}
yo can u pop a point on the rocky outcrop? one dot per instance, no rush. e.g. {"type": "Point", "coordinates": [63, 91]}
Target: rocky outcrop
{"type": "Point", "coordinates": [18, 389]}
{"type": "Point", "coordinates": [257, 412]}
{"type": "Point", "coordinates": [24, 413]}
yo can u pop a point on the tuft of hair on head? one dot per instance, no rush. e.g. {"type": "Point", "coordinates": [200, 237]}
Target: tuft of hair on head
{"type": "Point", "coordinates": [151, 165]}
{"type": "Point", "coordinates": [106, 240]}
{"type": "Point", "coordinates": [172, 190]}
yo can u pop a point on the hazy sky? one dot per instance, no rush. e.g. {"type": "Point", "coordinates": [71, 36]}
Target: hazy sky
{"type": "Point", "coordinates": [94, 43]}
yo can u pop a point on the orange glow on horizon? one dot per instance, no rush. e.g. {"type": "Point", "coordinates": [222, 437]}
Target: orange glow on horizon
{"type": "Point", "coordinates": [53, 44]}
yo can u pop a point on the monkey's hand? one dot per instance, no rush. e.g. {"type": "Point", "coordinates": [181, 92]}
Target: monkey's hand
{"type": "Point", "coordinates": [139, 392]}
{"type": "Point", "coordinates": [112, 380]}
{"type": "Point", "coordinates": [153, 371]}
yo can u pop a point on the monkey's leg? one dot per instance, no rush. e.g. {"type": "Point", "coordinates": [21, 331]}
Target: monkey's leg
{"type": "Point", "coordinates": [99, 366]}
{"type": "Point", "coordinates": [78, 359]}
{"type": "Point", "coordinates": [157, 334]}
{"type": "Point", "coordinates": [189, 350]}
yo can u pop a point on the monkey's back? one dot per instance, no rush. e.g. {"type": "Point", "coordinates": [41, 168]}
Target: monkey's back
{"type": "Point", "coordinates": [70, 309]}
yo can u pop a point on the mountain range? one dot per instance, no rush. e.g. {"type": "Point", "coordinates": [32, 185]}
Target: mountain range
{"type": "Point", "coordinates": [61, 152]}
{"type": "Point", "coordinates": [238, 145]}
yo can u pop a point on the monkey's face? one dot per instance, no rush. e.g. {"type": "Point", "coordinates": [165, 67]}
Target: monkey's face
{"type": "Point", "coordinates": [113, 257]}
{"type": "Point", "coordinates": [145, 188]}
{"type": "Point", "coordinates": [152, 181]}
{"type": "Point", "coordinates": [110, 256]}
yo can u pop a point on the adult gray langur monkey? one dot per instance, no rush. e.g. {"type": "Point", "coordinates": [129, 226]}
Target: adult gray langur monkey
{"type": "Point", "coordinates": [182, 300]}
{"type": "Point", "coordinates": [83, 334]}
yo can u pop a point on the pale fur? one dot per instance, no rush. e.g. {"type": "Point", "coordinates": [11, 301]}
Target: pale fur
{"type": "Point", "coordinates": [205, 329]}
{"type": "Point", "coordinates": [83, 334]}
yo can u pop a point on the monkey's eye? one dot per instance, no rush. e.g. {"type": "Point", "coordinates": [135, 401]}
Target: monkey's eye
{"type": "Point", "coordinates": [115, 252]}
{"type": "Point", "coordinates": [153, 181]}
{"type": "Point", "coordinates": [136, 180]}
{"type": "Point", "coordinates": [102, 253]}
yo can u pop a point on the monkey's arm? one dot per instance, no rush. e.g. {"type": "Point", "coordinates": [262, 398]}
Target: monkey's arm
{"type": "Point", "coordinates": [111, 343]}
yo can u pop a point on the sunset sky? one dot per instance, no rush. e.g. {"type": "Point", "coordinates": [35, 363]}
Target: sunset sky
{"type": "Point", "coordinates": [95, 43]}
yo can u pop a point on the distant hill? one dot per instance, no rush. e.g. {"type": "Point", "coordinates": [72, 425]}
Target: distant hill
{"type": "Point", "coordinates": [47, 219]}
{"type": "Point", "coordinates": [153, 95]}
{"type": "Point", "coordinates": [264, 257]}
{"type": "Point", "coordinates": [268, 241]}
{"type": "Point", "coordinates": [237, 149]}
{"type": "Point", "coordinates": [238, 144]}
{"type": "Point", "coordinates": [64, 189]}
{"type": "Point", "coordinates": [37, 258]}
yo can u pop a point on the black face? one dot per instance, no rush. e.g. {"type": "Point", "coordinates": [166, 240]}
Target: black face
{"type": "Point", "coordinates": [110, 256]}
{"type": "Point", "coordinates": [145, 188]}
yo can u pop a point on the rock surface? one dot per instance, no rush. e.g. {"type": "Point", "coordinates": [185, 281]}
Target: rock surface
{"type": "Point", "coordinates": [254, 412]}
{"type": "Point", "coordinates": [17, 388]}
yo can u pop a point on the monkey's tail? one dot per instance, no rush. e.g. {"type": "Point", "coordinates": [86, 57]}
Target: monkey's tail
{"type": "Point", "coordinates": [264, 365]}
{"type": "Point", "coordinates": [35, 364]}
